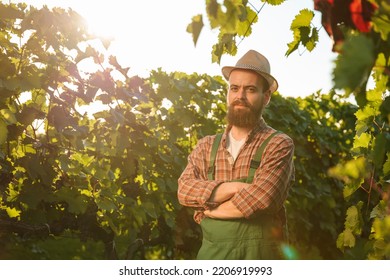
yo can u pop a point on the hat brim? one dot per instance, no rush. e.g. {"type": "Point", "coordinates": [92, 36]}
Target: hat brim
{"type": "Point", "coordinates": [273, 84]}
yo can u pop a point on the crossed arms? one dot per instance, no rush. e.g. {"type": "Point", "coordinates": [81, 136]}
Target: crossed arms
{"type": "Point", "coordinates": [223, 199]}
{"type": "Point", "coordinates": [222, 195]}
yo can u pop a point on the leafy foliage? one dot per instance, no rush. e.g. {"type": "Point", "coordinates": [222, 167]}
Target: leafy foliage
{"type": "Point", "coordinates": [101, 177]}
{"type": "Point", "coordinates": [321, 127]}
{"type": "Point", "coordinates": [366, 176]}
{"type": "Point", "coordinates": [354, 66]}
{"type": "Point", "coordinates": [232, 19]}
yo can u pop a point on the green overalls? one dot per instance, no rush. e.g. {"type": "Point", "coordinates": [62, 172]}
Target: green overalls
{"type": "Point", "coordinates": [241, 239]}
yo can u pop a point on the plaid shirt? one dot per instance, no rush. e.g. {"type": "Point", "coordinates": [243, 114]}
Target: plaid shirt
{"type": "Point", "coordinates": [272, 180]}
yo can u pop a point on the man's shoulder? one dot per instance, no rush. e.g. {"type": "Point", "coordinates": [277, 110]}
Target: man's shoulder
{"type": "Point", "coordinates": [206, 140]}
{"type": "Point", "coordinates": [279, 136]}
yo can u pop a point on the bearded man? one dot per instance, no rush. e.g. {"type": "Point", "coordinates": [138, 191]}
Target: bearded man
{"type": "Point", "coordinates": [237, 182]}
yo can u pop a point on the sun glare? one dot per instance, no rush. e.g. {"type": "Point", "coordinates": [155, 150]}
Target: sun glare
{"type": "Point", "coordinates": [102, 25]}
{"type": "Point", "coordinates": [147, 35]}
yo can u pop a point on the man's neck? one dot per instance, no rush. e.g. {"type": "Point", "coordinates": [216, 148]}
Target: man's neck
{"type": "Point", "coordinates": [240, 133]}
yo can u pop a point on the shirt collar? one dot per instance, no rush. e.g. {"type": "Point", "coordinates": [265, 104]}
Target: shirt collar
{"type": "Point", "coordinates": [261, 125]}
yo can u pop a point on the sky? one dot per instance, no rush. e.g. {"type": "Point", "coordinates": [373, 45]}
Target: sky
{"type": "Point", "coordinates": [151, 34]}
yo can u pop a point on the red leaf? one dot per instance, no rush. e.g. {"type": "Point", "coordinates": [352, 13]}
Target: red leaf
{"type": "Point", "coordinates": [354, 14]}
{"type": "Point", "coordinates": [361, 12]}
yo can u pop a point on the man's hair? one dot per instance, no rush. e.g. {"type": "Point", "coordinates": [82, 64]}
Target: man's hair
{"type": "Point", "coordinates": [264, 83]}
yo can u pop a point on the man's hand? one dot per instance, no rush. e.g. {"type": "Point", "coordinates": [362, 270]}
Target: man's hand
{"type": "Point", "coordinates": [225, 191]}
{"type": "Point", "coordinates": [225, 211]}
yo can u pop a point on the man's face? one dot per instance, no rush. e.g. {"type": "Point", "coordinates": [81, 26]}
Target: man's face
{"type": "Point", "coordinates": [246, 98]}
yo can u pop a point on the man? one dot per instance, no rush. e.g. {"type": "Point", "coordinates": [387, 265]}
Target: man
{"type": "Point", "coordinates": [241, 213]}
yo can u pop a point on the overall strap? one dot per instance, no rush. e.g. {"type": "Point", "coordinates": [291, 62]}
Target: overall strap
{"type": "Point", "coordinates": [214, 149]}
{"type": "Point", "coordinates": [256, 160]}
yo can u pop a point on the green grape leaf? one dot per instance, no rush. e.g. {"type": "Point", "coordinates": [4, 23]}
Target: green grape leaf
{"type": "Point", "coordinates": [10, 12]}
{"type": "Point", "coordinates": [349, 239]}
{"type": "Point", "coordinates": [244, 27]}
{"type": "Point", "coordinates": [386, 165]}
{"type": "Point", "coordinates": [352, 220]}
{"type": "Point", "coordinates": [8, 116]}
{"type": "Point", "coordinates": [274, 2]}
{"type": "Point", "coordinates": [302, 31]}
{"type": "Point", "coordinates": [106, 204]}
{"type": "Point", "coordinates": [13, 212]}
{"type": "Point", "coordinates": [362, 141]}
{"type": "Point", "coordinates": [150, 209]}
{"type": "Point", "coordinates": [303, 19]}
{"type": "Point", "coordinates": [76, 202]}
{"type": "Point", "coordinates": [379, 210]}
{"type": "Point", "coordinates": [381, 25]}
{"type": "Point", "coordinates": [346, 239]}
{"type": "Point", "coordinates": [195, 27]}
{"type": "Point", "coordinates": [3, 132]}
{"type": "Point", "coordinates": [352, 187]}
{"type": "Point", "coordinates": [367, 113]}
{"type": "Point", "coordinates": [379, 154]}
{"type": "Point", "coordinates": [354, 64]}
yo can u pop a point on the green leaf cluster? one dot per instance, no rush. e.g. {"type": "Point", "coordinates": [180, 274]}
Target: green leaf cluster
{"type": "Point", "coordinates": [232, 18]}
{"type": "Point", "coordinates": [323, 136]}
{"type": "Point", "coordinates": [107, 178]}
{"type": "Point", "coordinates": [303, 31]}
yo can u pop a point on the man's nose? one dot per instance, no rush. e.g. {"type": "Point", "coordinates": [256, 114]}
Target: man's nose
{"type": "Point", "coordinates": [241, 94]}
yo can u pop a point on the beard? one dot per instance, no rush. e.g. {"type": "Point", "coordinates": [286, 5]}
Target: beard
{"type": "Point", "coordinates": [245, 117]}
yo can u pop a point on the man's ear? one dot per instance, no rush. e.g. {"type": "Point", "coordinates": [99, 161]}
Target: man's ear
{"type": "Point", "coordinates": [267, 97]}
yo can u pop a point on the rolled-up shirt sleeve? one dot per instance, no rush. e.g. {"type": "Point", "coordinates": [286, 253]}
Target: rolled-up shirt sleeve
{"type": "Point", "coordinates": [194, 188]}
{"type": "Point", "coordinates": [272, 180]}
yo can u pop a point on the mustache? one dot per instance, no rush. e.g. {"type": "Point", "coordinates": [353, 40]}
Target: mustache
{"type": "Point", "coordinates": [241, 103]}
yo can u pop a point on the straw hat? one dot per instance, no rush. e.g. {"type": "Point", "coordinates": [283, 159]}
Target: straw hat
{"type": "Point", "coordinates": [256, 62]}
